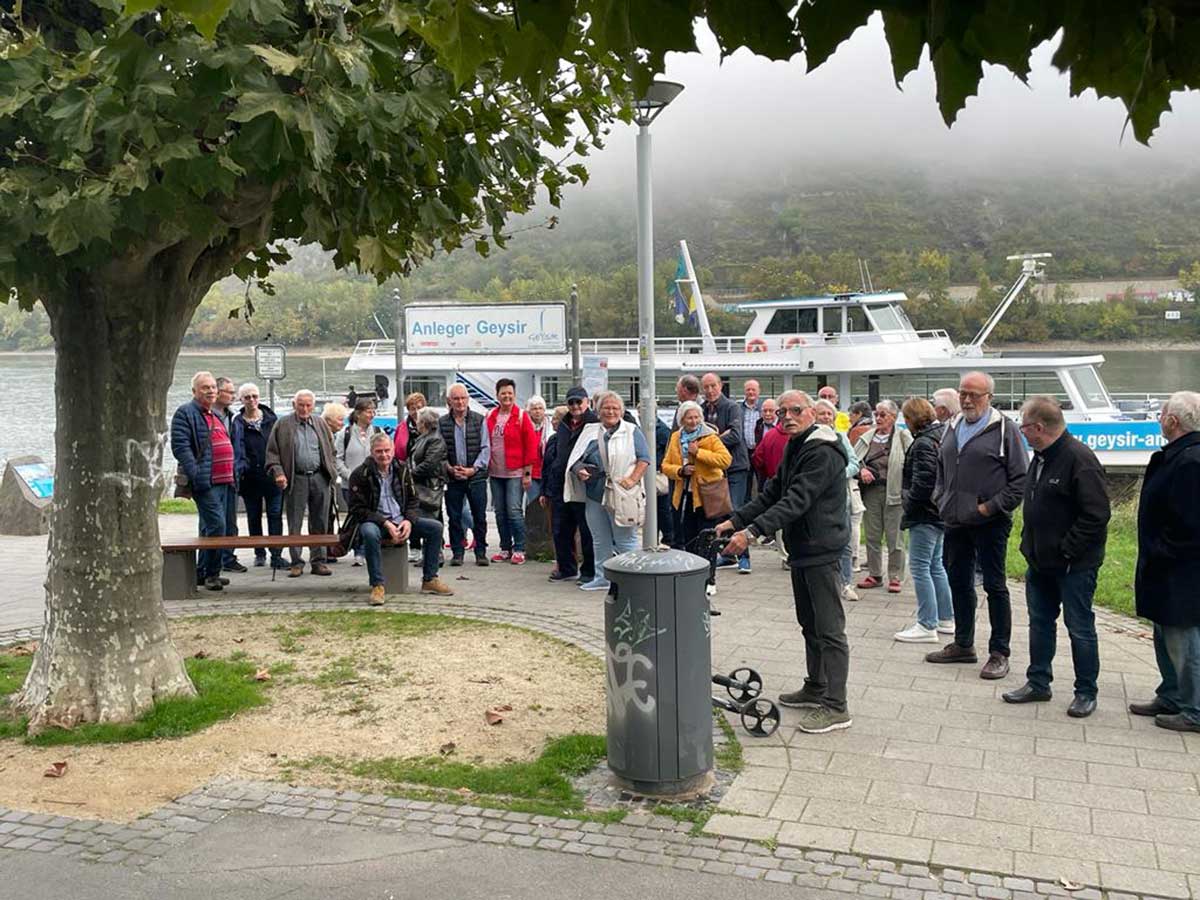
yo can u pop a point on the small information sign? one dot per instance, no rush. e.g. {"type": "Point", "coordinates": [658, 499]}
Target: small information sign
{"type": "Point", "coordinates": [270, 361]}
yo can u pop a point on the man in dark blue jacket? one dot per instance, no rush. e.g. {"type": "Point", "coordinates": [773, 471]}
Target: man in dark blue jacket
{"type": "Point", "coordinates": [1168, 566]}
{"type": "Point", "coordinates": [1066, 525]}
{"type": "Point", "coordinates": [195, 431]}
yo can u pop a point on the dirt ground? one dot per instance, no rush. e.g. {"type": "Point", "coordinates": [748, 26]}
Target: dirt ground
{"type": "Point", "coordinates": [358, 697]}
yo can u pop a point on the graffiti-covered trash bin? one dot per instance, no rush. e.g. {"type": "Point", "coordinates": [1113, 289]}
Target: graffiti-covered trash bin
{"type": "Point", "coordinates": [659, 671]}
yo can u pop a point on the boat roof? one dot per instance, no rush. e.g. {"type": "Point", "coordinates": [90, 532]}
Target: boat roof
{"type": "Point", "coordinates": [855, 298]}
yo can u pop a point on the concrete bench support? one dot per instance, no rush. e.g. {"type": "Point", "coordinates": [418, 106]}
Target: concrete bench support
{"type": "Point", "coordinates": [395, 568]}
{"type": "Point", "coordinates": [179, 575]}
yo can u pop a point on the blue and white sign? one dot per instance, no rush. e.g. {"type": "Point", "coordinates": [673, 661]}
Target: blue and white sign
{"type": "Point", "coordinates": [1145, 437]}
{"type": "Point", "coordinates": [471, 328]}
{"type": "Point", "coordinates": [38, 477]}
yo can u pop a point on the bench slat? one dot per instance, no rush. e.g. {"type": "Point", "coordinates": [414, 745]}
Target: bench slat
{"type": "Point", "coordinates": [245, 542]}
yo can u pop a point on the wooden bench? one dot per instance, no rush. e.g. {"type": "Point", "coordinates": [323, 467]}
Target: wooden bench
{"type": "Point", "coordinates": [179, 559]}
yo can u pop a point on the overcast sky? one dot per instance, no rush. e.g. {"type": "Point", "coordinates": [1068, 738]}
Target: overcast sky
{"type": "Point", "coordinates": [750, 115]}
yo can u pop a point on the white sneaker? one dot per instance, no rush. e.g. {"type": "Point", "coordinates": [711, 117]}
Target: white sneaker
{"type": "Point", "coordinates": [848, 593]}
{"type": "Point", "coordinates": [917, 634]}
{"type": "Point", "coordinates": [945, 626]}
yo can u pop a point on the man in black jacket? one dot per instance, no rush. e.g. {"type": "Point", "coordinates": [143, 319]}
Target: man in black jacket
{"type": "Point", "coordinates": [725, 416]}
{"type": "Point", "coordinates": [807, 500]}
{"type": "Point", "coordinates": [568, 518]}
{"type": "Point", "coordinates": [1066, 524]}
{"type": "Point", "coordinates": [1168, 566]}
{"type": "Point", "coordinates": [383, 502]}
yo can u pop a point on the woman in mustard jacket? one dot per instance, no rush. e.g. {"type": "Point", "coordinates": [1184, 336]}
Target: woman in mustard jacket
{"type": "Point", "coordinates": [694, 454]}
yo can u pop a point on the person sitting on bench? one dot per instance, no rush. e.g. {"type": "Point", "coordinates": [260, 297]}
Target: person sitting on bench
{"type": "Point", "coordinates": [383, 501]}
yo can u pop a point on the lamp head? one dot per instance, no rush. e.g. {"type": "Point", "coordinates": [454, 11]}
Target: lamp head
{"type": "Point", "coordinates": [657, 97]}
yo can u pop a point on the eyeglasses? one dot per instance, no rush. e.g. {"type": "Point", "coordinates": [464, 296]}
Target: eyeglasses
{"type": "Point", "coordinates": [249, 397]}
{"type": "Point", "coordinates": [974, 395]}
{"type": "Point", "coordinates": [796, 410]}
{"type": "Point", "coordinates": [1025, 425]}
{"type": "Point", "coordinates": [575, 402]}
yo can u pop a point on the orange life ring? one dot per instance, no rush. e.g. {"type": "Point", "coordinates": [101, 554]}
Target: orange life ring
{"type": "Point", "coordinates": [756, 345]}
{"type": "Point", "coordinates": [794, 341]}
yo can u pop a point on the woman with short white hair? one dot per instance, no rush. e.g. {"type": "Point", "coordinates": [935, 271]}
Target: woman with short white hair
{"type": "Point", "coordinates": [605, 470]}
{"type": "Point", "coordinates": [535, 407]}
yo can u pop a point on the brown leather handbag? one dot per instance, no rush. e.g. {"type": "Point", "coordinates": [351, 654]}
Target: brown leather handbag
{"type": "Point", "coordinates": [714, 497]}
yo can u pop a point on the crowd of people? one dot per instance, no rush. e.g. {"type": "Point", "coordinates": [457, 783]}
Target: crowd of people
{"type": "Point", "coordinates": [812, 479]}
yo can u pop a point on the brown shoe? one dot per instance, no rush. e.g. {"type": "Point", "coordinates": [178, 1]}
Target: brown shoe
{"type": "Point", "coordinates": [952, 653]}
{"type": "Point", "coordinates": [319, 568]}
{"type": "Point", "coordinates": [996, 667]}
{"type": "Point", "coordinates": [377, 597]}
{"type": "Point", "coordinates": [296, 571]}
{"type": "Point", "coordinates": [436, 586]}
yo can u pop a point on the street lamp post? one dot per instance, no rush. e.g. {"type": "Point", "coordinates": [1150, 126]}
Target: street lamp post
{"type": "Point", "coordinates": [647, 109]}
{"type": "Point", "coordinates": [398, 348]}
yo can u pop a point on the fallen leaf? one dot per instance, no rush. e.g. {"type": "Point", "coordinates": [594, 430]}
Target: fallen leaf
{"type": "Point", "coordinates": [26, 649]}
{"type": "Point", "coordinates": [462, 578]}
{"type": "Point", "coordinates": [262, 675]}
{"type": "Point", "coordinates": [239, 640]}
{"type": "Point", "coordinates": [56, 770]}
{"type": "Point", "coordinates": [447, 748]}
{"type": "Point", "coordinates": [465, 791]}
{"type": "Point", "coordinates": [493, 716]}
{"type": "Point", "coordinates": [200, 654]}
{"type": "Point", "coordinates": [1068, 884]}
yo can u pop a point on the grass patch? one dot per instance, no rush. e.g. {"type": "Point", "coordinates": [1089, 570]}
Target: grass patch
{"type": "Point", "coordinates": [728, 756]}
{"type": "Point", "coordinates": [177, 506]}
{"type": "Point", "coordinates": [338, 672]}
{"type": "Point", "coordinates": [545, 782]}
{"type": "Point", "coordinates": [13, 670]}
{"type": "Point", "coordinates": [1114, 582]}
{"type": "Point", "coordinates": [224, 689]}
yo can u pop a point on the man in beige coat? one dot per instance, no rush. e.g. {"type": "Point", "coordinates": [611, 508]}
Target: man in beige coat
{"type": "Point", "coordinates": [300, 458]}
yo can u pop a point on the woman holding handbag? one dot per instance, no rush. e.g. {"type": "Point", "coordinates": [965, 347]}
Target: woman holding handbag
{"type": "Point", "coordinates": [696, 462]}
{"type": "Point", "coordinates": [607, 465]}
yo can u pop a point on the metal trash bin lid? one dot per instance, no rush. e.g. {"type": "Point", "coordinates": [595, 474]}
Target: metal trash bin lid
{"type": "Point", "coordinates": [655, 562]}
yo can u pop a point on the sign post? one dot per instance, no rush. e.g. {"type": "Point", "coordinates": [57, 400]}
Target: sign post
{"type": "Point", "coordinates": [270, 364]}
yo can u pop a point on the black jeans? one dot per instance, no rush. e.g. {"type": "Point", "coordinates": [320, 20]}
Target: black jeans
{"type": "Point", "coordinates": [817, 591]}
{"type": "Point", "coordinates": [258, 493]}
{"type": "Point", "coordinates": [569, 518]}
{"type": "Point", "coordinates": [691, 522]}
{"type": "Point", "coordinates": [988, 543]}
{"type": "Point", "coordinates": [474, 490]}
{"type": "Point", "coordinates": [1072, 591]}
{"type": "Point", "coordinates": [666, 519]}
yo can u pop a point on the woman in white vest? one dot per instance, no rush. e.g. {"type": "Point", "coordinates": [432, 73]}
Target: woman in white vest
{"type": "Point", "coordinates": [605, 469]}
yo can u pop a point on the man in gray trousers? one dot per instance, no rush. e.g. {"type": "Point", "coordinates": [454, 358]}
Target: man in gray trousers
{"type": "Point", "coordinates": [300, 458]}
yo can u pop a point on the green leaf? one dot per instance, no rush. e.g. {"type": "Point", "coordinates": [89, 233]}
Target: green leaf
{"type": "Point", "coordinates": [253, 104]}
{"type": "Point", "coordinates": [958, 78]}
{"type": "Point", "coordinates": [315, 129]}
{"type": "Point", "coordinates": [905, 33]}
{"type": "Point", "coordinates": [825, 24]}
{"type": "Point", "coordinates": [461, 34]}
{"type": "Point", "coordinates": [766, 26]}
{"type": "Point", "coordinates": [279, 62]}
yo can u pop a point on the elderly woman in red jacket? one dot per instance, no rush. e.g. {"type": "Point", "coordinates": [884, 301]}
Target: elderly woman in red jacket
{"type": "Point", "coordinates": [516, 448]}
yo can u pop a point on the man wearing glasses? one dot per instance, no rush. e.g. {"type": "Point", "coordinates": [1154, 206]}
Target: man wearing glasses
{"type": "Point", "coordinates": [980, 483]}
{"type": "Point", "coordinates": [807, 500]}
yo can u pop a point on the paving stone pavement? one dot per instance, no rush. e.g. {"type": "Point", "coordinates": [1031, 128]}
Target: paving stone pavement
{"type": "Point", "coordinates": [938, 789]}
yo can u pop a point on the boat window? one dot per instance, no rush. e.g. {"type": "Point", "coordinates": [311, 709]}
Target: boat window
{"type": "Point", "coordinates": [886, 318]}
{"type": "Point", "coordinates": [1091, 388]}
{"type": "Point", "coordinates": [831, 319]}
{"type": "Point", "coordinates": [856, 319]}
{"type": "Point", "coordinates": [434, 389]}
{"type": "Point", "coordinates": [793, 321]}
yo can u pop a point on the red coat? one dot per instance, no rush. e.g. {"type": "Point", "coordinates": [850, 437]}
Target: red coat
{"type": "Point", "coordinates": [522, 444]}
{"type": "Point", "coordinates": [768, 453]}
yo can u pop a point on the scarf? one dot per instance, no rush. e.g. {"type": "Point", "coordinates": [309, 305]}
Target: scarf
{"type": "Point", "coordinates": [686, 437]}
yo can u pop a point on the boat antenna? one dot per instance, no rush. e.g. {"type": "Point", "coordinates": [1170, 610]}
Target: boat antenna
{"type": "Point", "coordinates": [379, 325]}
{"type": "Point", "coordinates": [1032, 266]}
{"type": "Point", "coordinates": [709, 343]}
{"type": "Point", "coordinates": [870, 281]}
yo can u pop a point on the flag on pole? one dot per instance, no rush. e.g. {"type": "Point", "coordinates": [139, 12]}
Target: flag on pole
{"type": "Point", "coordinates": [683, 303]}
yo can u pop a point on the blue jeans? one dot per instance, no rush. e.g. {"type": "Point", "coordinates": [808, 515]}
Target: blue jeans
{"type": "Point", "coordinates": [210, 505]}
{"type": "Point", "coordinates": [1178, 651]}
{"type": "Point", "coordinates": [1045, 592]}
{"type": "Point", "coordinates": [507, 497]}
{"type": "Point", "coordinates": [535, 491]}
{"type": "Point", "coordinates": [474, 491]}
{"type": "Point", "coordinates": [608, 538]}
{"type": "Point", "coordinates": [934, 602]}
{"type": "Point", "coordinates": [228, 556]}
{"type": "Point", "coordinates": [846, 560]}
{"type": "Point", "coordinates": [739, 492]}
{"type": "Point", "coordinates": [370, 537]}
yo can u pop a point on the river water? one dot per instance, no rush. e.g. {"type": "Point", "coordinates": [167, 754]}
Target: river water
{"type": "Point", "coordinates": [27, 385]}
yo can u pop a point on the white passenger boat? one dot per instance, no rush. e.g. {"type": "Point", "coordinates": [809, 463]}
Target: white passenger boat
{"type": "Point", "coordinates": [861, 342]}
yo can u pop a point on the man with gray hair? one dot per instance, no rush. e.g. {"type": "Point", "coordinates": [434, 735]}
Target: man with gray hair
{"type": "Point", "coordinates": [945, 404]}
{"type": "Point", "coordinates": [301, 459]}
{"type": "Point", "coordinates": [1168, 565]}
{"type": "Point", "coordinates": [980, 482]}
{"type": "Point", "coordinates": [1066, 525]}
{"type": "Point", "coordinates": [806, 499]}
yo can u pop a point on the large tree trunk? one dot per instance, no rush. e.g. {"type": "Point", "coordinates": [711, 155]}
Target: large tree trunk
{"type": "Point", "coordinates": [106, 654]}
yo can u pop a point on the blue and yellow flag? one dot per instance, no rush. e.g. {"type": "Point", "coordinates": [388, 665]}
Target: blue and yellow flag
{"type": "Point", "coordinates": [684, 304]}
